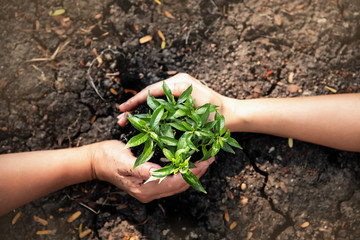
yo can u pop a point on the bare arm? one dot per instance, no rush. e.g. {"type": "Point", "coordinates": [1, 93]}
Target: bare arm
{"type": "Point", "coordinates": [27, 176]}
{"type": "Point", "coordinates": [332, 120]}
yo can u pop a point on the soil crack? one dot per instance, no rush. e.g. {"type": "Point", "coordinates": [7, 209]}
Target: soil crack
{"type": "Point", "coordinates": [288, 220]}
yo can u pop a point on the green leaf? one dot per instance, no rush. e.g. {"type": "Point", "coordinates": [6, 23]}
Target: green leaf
{"type": "Point", "coordinates": [163, 172]}
{"type": "Point", "coordinates": [196, 118]}
{"type": "Point", "coordinates": [143, 116]}
{"type": "Point", "coordinates": [190, 121]}
{"type": "Point", "coordinates": [206, 154]}
{"type": "Point", "coordinates": [205, 132]}
{"type": "Point", "coordinates": [186, 125]}
{"type": "Point", "coordinates": [178, 126]}
{"type": "Point", "coordinates": [220, 142]}
{"type": "Point", "coordinates": [182, 141]}
{"type": "Point", "coordinates": [166, 130]}
{"type": "Point", "coordinates": [192, 165]}
{"type": "Point", "coordinates": [152, 178]}
{"type": "Point", "coordinates": [168, 154]}
{"type": "Point", "coordinates": [222, 125]}
{"type": "Point", "coordinates": [151, 101]}
{"type": "Point", "coordinates": [178, 113]}
{"type": "Point", "coordinates": [168, 93]}
{"type": "Point", "coordinates": [193, 181]}
{"type": "Point", "coordinates": [137, 140]}
{"type": "Point", "coordinates": [226, 147]}
{"type": "Point", "coordinates": [215, 148]}
{"type": "Point", "coordinates": [210, 125]}
{"type": "Point", "coordinates": [184, 108]}
{"type": "Point", "coordinates": [179, 154]}
{"type": "Point", "coordinates": [232, 142]}
{"type": "Point", "coordinates": [147, 153]}
{"type": "Point", "coordinates": [185, 95]}
{"type": "Point", "coordinates": [154, 136]}
{"type": "Point", "coordinates": [138, 123]}
{"type": "Point", "coordinates": [168, 106]}
{"type": "Point", "coordinates": [217, 116]}
{"type": "Point", "coordinates": [190, 143]}
{"type": "Point", "coordinates": [189, 102]}
{"type": "Point", "coordinates": [156, 117]}
{"type": "Point", "coordinates": [168, 141]}
{"type": "Point", "coordinates": [205, 115]}
{"type": "Point", "coordinates": [227, 135]}
{"type": "Point", "coordinates": [184, 166]}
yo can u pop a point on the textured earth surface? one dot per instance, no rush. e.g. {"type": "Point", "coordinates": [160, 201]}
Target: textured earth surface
{"type": "Point", "coordinates": [241, 49]}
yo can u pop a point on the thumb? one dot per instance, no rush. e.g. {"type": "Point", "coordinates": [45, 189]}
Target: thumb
{"type": "Point", "coordinates": [145, 170]}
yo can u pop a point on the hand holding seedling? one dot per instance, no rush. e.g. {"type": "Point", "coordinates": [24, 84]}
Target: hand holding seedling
{"type": "Point", "coordinates": [179, 129]}
{"type": "Point", "coordinates": [177, 85]}
{"type": "Point", "coordinates": [112, 162]}
{"type": "Point", "coordinates": [328, 120]}
{"type": "Point", "coordinates": [30, 175]}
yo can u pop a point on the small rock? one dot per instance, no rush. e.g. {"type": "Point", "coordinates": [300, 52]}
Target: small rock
{"type": "Point", "coordinates": [293, 88]}
{"type": "Point", "coordinates": [165, 232]}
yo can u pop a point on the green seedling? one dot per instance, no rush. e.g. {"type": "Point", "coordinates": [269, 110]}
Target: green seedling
{"type": "Point", "coordinates": [179, 129]}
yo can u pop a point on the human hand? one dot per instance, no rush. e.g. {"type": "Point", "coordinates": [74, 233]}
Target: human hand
{"type": "Point", "coordinates": [112, 162]}
{"type": "Point", "coordinates": [178, 83]}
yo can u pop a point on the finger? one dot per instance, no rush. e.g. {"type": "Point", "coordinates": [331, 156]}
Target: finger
{"type": "Point", "coordinates": [144, 171]}
{"type": "Point", "coordinates": [140, 98]}
{"type": "Point", "coordinates": [177, 85]}
{"type": "Point", "coordinates": [154, 190]}
{"type": "Point", "coordinates": [171, 185]}
{"type": "Point", "coordinates": [122, 119]}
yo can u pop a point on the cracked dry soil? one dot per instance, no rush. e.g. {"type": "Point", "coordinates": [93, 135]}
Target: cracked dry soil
{"type": "Point", "coordinates": [241, 49]}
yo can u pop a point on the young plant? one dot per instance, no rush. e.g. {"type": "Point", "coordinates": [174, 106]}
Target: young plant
{"type": "Point", "coordinates": [179, 130]}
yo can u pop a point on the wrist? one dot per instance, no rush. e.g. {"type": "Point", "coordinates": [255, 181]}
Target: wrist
{"type": "Point", "coordinates": [95, 156]}
{"type": "Point", "coordinates": [236, 114]}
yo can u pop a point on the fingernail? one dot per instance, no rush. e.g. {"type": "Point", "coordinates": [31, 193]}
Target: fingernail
{"type": "Point", "coordinates": [122, 106]}
{"type": "Point", "coordinates": [120, 116]}
{"type": "Point", "coordinates": [211, 160]}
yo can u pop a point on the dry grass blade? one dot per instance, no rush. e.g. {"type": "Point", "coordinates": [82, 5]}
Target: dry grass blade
{"type": "Point", "coordinates": [74, 217]}
{"type": "Point", "coordinates": [17, 216]}
{"type": "Point", "coordinates": [40, 220]}
{"type": "Point", "coordinates": [55, 54]}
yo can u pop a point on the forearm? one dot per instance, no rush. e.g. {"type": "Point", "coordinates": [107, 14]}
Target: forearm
{"type": "Point", "coordinates": [27, 176]}
{"type": "Point", "coordinates": [331, 120]}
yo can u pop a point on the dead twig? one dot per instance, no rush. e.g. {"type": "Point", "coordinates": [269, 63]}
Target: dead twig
{"type": "Point", "coordinates": [55, 54]}
{"type": "Point", "coordinates": [70, 127]}
{"type": "Point", "coordinates": [86, 206]}
{"type": "Point", "coordinates": [41, 71]}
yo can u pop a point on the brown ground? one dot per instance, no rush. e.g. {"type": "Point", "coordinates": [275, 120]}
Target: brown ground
{"type": "Point", "coordinates": [241, 49]}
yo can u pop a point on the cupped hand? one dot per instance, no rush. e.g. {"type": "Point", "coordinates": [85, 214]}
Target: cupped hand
{"type": "Point", "coordinates": [178, 83]}
{"type": "Point", "coordinates": [112, 162]}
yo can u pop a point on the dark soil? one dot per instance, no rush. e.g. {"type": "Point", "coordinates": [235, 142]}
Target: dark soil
{"type": "Point", "coordinates": [241, 49]}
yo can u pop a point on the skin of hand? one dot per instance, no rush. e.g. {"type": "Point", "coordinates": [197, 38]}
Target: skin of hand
{"type": "Point", "coordinates": [328, 120]}
{"type": "Point", "coordinates": [29, 175]}
{"type": "Point", "coordinates": [178, 83]}
{"type": "Point", "coordinates": [113, 163]}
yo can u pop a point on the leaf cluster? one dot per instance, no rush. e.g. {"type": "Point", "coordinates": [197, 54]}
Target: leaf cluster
{"type": "Point", "coordinates": [179, 129]}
